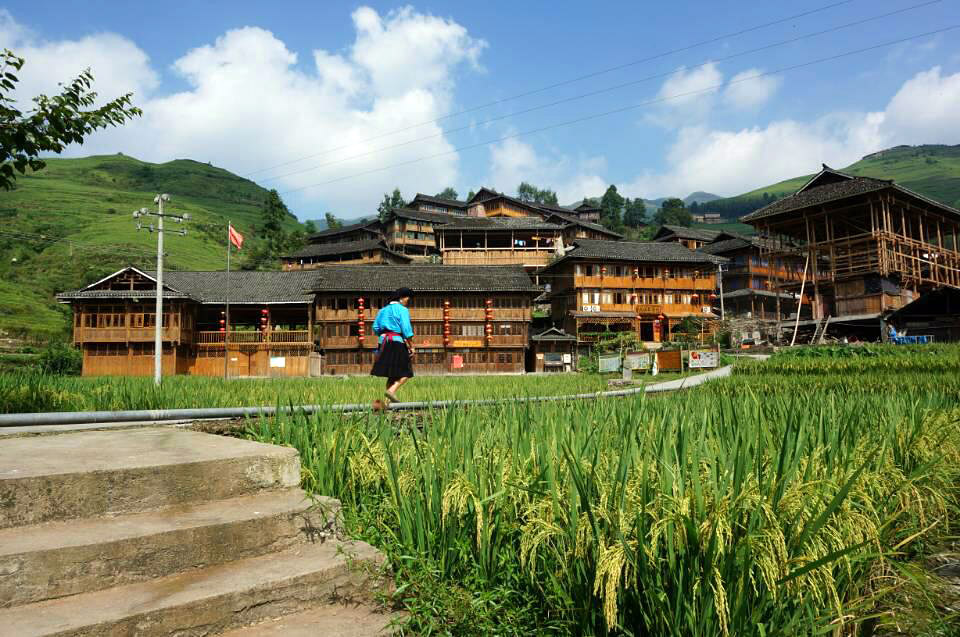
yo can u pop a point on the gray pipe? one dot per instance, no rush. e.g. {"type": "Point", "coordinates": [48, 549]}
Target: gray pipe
{"type": "Point", "coordinates": [212, 413]}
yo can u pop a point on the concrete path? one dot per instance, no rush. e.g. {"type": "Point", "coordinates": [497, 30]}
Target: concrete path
{"type": "Point", "coordinates": [689, 381]}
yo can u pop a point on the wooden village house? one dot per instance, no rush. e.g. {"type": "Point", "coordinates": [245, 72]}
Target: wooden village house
{"type": "Point", "coordinates": [647, 288]}
{"type": "Point", "coordinates": [347, 252]}
{"type": "Point", "coordinates": [748, 279]}
{"type": "Point", "coordinates": [869, 246]}
{"type": "Point", "coordinates": [302, 322]}
{"type": "Point", "coordinates": [466, 318]}
{"type": "Point", "coordinates": [692, 238]}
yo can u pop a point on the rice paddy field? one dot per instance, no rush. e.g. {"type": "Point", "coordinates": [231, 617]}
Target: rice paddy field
{"type": "Point", "coordinates": [800, 496]}
{"type": "Point", "coordinates": [33, 392]}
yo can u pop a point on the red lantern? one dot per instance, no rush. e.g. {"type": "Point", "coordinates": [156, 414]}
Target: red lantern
{"type": "Point", "coordinates": [223, 329]}
{"type": "Point", "coordinates": [603, 270]}
{"type": "Point", "coordinates": [695, 297]}
{"type": "Point", "coordinates": [636, 273]}
{"type": "Point", "coordinates": [661, 317]}
{"type": "Point", "coordinates": [264, 311]}
{"type": "Point", "coordinates": [713, 297]}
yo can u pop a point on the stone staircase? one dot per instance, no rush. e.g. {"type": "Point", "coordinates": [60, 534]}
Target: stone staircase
{"type": "Point", "coordinates": [173, 532]}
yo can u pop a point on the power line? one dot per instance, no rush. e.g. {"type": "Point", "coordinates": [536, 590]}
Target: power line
{"type": "Point", "coordinates": [603, 90]}
{"type": "Point", "coordinates": [562, 83]}
{"type": "Point", "coordinates": [625, 108]}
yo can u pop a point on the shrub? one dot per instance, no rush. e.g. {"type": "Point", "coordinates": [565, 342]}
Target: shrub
{"type": "Point", "coordinates": [61, 359]}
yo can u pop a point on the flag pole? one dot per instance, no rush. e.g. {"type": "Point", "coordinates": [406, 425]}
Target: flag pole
{"type": "Point", "coordinates": [226, 322]}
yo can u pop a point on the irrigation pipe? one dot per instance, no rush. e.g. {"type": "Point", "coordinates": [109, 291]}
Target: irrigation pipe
{"type": "Point", "coordinates": [213, 413]}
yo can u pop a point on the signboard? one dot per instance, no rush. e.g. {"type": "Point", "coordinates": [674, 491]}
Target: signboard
{"type": "Point", "coordinates": [468, 343]}
{"type": "Point", "coordinates": [278, 361]}
{"type": "Point", "coordinates": [704, 359]}
{"type": "Point", "coordinates": [589, 308]}
{"type": "Point", "coordinates": [456, 362]}
{"type": "Point", "coordinates": [706, 309]}
{"type": "Point", "coordinates": [609, 363]}
{"type": "Point", "coordinates": [638, 361]}
{"type": "Point", "coordinates": [567, 359]}
{"type": "Point", "coordinates": [648, 309]}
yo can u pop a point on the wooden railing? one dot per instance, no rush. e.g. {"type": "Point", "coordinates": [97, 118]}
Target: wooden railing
{"type": "Point", "coordinates": [122, 334]}
{"type": "Point", "coordinates": [496, 256]}
{"type": "Point", "coordinates": [431, 314]}
{"type": "Point", "coordinates": [646, 283]}
{"type": "Point", "coordinates": [247, 337]}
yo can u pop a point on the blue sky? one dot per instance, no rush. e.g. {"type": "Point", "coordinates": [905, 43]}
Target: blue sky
{"type": "Point", "coordinates": [249, 86]}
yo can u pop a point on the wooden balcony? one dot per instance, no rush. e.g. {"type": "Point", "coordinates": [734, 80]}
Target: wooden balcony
{"type": "Point", "coordinates": [429, 314]}
{"type": "Point", "coordinates": [649, 310]}
{"type": "Point", "coordinates": [432, 341]}
{"type": "Point", "coordinates": [124, 335]}
{"type": "Point", "coordinates": [707, 283]}
{"type": "Point", "coordinates": [251, 337]}
{"type": "Point", "coordinates": [494, 256]}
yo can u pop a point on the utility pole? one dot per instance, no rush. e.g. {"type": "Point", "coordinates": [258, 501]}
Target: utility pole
{"type": "Point", "coordinates": [723, 314]}
{"type": "Point", "coordinates": [158, 319]}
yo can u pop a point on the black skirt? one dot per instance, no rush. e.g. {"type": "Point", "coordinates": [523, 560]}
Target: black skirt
{"type": "Point", "coordinates": [394, 361]}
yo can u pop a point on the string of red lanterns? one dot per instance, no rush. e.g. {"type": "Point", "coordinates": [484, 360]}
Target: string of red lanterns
{"type": "Point", "coordinates": [488, 316]}
{"type": "Point", "coordinates": [360, 321]}
{"type": "Point", "coordinates": [446, 323]}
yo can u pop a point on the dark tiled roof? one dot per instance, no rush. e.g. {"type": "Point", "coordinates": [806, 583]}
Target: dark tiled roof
{"type": "Point", "coordinates": [667, 233]}
{"type": "Point", "coordinates": [646, 251]}
{"type": "Point", "coordinates": [735, 242]}
{"type": "Point", "coordinates": [245, 287]}
{"type": "Point", "coordinates": [119, 294]}
{"type": "Point", "coordinates": [573, 220]}
{"type": "Point", "coordinates": [500, 223]}
{"type": "Point", "coordinates": [344, 247]}
{"type": "Point", "coordinates": [820, 195]}
{"type": "Point", "coordinates": [419, 215]}
{"type": "Point", "coordinates": [353, 227]}
{"type": "Point", "coordinates": [747, 292]}
{"type": "Point", "coordinates": [423, 278]}
{"type": "Point", "coordinates": [553, 334]}
{"type": "Point", "coordinates": [450, 203]}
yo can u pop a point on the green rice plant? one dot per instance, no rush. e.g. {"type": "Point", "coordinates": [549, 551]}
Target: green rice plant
{"type": "Point", "coordinates": [747, 507]}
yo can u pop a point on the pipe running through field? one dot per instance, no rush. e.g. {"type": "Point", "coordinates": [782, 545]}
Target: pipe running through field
{"type": "Point", "coordinates": [216, 413]}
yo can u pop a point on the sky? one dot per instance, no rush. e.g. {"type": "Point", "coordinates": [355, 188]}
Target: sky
{"type": "Point", "coordinates": [334, 103]}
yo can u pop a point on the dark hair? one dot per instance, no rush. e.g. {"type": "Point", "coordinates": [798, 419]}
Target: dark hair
{"type": "Point", "coordinates": [400, 293]}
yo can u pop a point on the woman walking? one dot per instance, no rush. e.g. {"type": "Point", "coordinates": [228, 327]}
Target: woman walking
{"type": "Point", "coordinates": [395, 347]}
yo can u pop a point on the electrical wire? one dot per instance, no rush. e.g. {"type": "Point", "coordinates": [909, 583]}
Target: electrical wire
{"type": "Point", "coordinates": [629, 107]}
{"type": "Point", "coordinates": [601, 91]}
{"type": "Point", "coordinates": [563, 83]}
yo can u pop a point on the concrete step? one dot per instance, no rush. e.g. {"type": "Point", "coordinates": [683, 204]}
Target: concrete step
{"type": "Point", "coordinates": [211, 600]}
{"type": "Point", "coordinates": [332, 620]}
{"type": "Point", "coordinates": [80, 475]}
{"type": "Point", "coordinates": [57, 559]}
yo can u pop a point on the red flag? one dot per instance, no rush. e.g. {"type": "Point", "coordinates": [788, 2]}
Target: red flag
{"type": "Point", "coordinates": [236, 238]}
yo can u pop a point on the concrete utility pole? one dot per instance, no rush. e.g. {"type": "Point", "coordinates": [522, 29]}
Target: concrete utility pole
{"type": "Point", "coordinates": [723, 314]}
{"type": "Point", "coordinates": [158, 319]}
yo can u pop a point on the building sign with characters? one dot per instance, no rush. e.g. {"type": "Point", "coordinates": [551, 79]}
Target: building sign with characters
{"type": "Point", "coordinates": [703, 359]}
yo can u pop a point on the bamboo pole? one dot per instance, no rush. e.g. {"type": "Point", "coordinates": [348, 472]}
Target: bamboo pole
{"type": "Point", "coordinates": [803, 283]}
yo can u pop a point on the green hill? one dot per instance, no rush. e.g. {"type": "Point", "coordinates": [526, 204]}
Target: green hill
{"type": "Point", "coordinates": [70, 224]}
{"type": "Point", "coordinates": [931, 170]}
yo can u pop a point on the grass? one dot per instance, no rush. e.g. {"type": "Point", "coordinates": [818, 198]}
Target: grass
{"type": "Point", "coordinates": [784, 502]}
{"type": "Point", "coordinates": [30, 392]}
{"type": "Point", "coordinates": [78, 212]}
{"type": "Point", "coordinates": [931, 170]}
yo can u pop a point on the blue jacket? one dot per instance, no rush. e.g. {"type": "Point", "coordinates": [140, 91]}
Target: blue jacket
{"type": "Point", "coordinates": [393, 318]}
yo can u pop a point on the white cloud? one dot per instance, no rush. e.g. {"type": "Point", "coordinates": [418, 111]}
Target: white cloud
{"type": "Point", "coordinates": [687, 95]}
{"type": "Point", "coordinates": [926, 110]}
{"type": "Point", "coordinates": [513, 161]}
{"type": "Point", "coordinates": [118, 65]}
{"type": "Point", "coordinates": [750, 89]}
{"type": "Point", "coordinates": [729, 162]}
{"type": "Point", "coordinates": [249, 105]}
